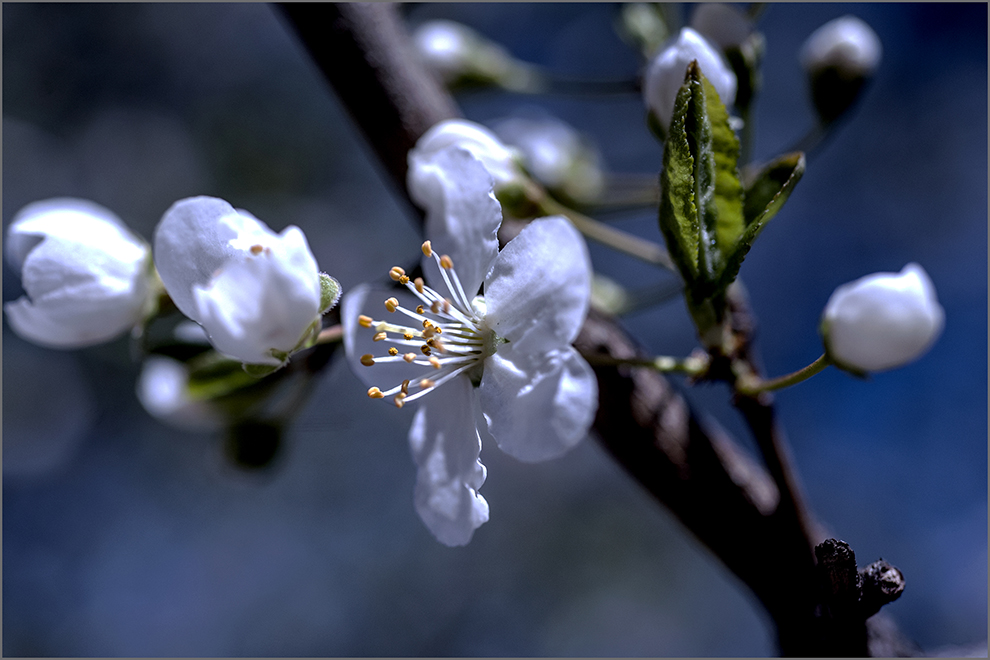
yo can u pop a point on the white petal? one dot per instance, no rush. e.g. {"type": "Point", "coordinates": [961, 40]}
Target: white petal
{"type": "Point", "coordinates": [192, 242]}
{"type": "Point", "coordinates": [538, 408]}
{"type": "Point", "coordinates": [498, 159]}
{"type": "Point", "coordinates": [84, 272]}
{"type": "Point", "coordinates": [883, 320]}
{"type": "Point", "coordinates": [540, 286]}
{"type": "Point", "coordinates": [446, 446]}
{"type": "Point", "coordinates": [462, 214]}
{"type": "Point", "coordinates": [264, 301]}
{"type": "Point", "coordinates": [847, 43]}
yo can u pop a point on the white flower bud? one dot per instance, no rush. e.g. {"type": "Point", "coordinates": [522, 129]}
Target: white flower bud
{"type": "Point", "coordinates": [445, 47]}
{"type": "Point", "coordinates": [882, 321]}
{"type": "Point", "coordinates": [847, 44]}
{"type": "Point", "coordinates": [665, 74]}
{"type": "Point", "coordinates": [723, 25]}
{"type": "Point", "coordinates": [85, 273]}
{"type": "Point", "coordinates": [163, 390]}
{"type": "Point", "coordinates": [499, 160]}
{"type": "Point", "coordinates": [256, 293]}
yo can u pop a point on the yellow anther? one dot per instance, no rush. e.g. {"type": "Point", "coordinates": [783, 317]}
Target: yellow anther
{"type": "Point", "coordinates": [404, 279]}
{"type": "Point", "coordinates": [429, 332]}
{"type": "Point", "coordinates": [408, 336]}
{"type": "Point", "coordinates": [446, 305]}
{"type": "Point", "coordinates": [425, 349]}
{"type": "Point", "coordinates": [435, 307]}
{"type": "Point", "coordinates": [427, 248]}
{"type": "Point", "coordinates": [419, 309]}
{"type": "Point", "coordinates": [367, 359]}
{"type": "Point", "coordinates": [375, 393]}
{"type": "Point", "coordinates": [437, 329]}
{"type": "Point", "coordinates": [393, 351]}
{"type": "Point", "coordinates": [435, 363]}
{"type": "Point", "coordinates": [365, 321]}
{"type": "Point", "coordinates": [409, 357]}
{"type": "Point", "coordinates": [419, 284]}
{"type": "Point", "coordinates": [380, 336]}
{"type": "Point", "coordinates": [399, 399]}
{"type": "Point", "coordinates": [405, 386]}
{"type": "Point", "coordinates": [446, 262]}
{"type": "Point", "coordinates": [426, 382]}
{"type": "Point", "coordinates": [391, 304]}
{"type": "Point", "coordinates": [396, 273]}
{"type": "Point", "coordinates": [257, 249]}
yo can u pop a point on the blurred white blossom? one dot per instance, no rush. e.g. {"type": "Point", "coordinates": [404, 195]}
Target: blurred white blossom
{"type": "Point", "coordinates": [665, 74]}
{"type": "Point", "coordinates": [556, 154]}
{"type": "Point", "coordinates": [883, 320]}
{"type": "Point", "coordinates": [506, 355]}
{"type": "Point", "coordinates": [86, 275]}
{"type": "Point", "coordinates": [256, 293]}
{"type": "Point", "coordinates": [163, 390]}
{"type": "Point", "coordinates": [723, 25]}
{"type": "Point", "coordinates": [847, 44]}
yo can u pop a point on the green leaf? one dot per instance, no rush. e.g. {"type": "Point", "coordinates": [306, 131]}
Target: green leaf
{"type": "Point", "coordinates": [728, 189]}
{"type": "Point", "coordinates": [770, 189]}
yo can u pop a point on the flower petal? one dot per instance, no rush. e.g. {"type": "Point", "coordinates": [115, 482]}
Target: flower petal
{"type": "Point", "coordinates": [192, 242]}
{"type": "Point", "coordinates": [538, 409]}
{"type": "Point", "coordinates": [540, 285]}
{"type": "Point", "coordinates": [446, 446]}
{"type": "Point", "coordinates": [462, 214]}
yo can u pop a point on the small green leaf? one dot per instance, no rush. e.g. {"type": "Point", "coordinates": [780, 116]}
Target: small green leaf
{"type": "Point", "coordinates": [769, 191]}
{"type": "Point", "coordinates": [770, 187]}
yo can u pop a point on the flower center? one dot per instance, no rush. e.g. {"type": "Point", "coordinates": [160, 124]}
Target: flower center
{"type": "Point", "coordinates": [449, 335]}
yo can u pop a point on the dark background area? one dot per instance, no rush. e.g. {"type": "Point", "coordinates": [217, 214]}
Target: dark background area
{"type": "Point", "coordinates": [126, 537]}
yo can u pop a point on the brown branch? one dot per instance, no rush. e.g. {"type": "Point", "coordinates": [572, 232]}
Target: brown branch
{"type": "Point", "coordinates": [759, 531]}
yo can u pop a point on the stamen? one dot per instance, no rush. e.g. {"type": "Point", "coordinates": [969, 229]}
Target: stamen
{"type": "Point", "coordinates": [434, 362]}
{"type": "Point", "coordinates": [365, 321]}
{"type": "Point", "coordinates": [426, 383]}
{"type": "Point", "coordinates": [409, 357]}
{"type": "Point", "coordinates": [368, 359]}
{"type": "Point", "coordinates": [375, 393]}
{"type": "Point", "coordinates": [405, 386]}
{"type": "Point", "coordinates": [399, 398]}
{"type": "Point", "coordinates": [427, 248]}
{"type": "Point", "coordinates": [426, 350]}
{"type": "Point", "coordinates": [446, 262]}
{"type": "Point", "coordinates": [420, 285]}
{"type": "Point", "coordinates": [257, 249]}
{"type": "Point", "coordinates": [381, 336]}
{"type": "Point", "coordinates": [396, 273]}
{"type": "Point", "coordinates": [391, 304]}
{"type": "Point", "coordinates": [393, 351]}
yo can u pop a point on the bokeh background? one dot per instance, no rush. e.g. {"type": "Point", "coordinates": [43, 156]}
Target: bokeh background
{"type": "Point", "coordinates": [125, 537]}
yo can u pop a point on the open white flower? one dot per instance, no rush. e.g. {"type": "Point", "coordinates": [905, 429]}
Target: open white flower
{"type": "Point", "coordinates": [85, 273]}
{"type": "Point", "coordinates": [255, 292]}
{"type": "Point", "coordinates": [883, 320]}
{"type": "Point", "coordinates": [507, 355]}
{"type": "Point", "coordinates": [665, 74]}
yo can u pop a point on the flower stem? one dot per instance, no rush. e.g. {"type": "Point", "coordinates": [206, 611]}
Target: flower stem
{"type": "Point", "coordinates": [755, 385]}
{"type": "Point", "coordinates": [330, 335]}
{"type": "Point", "coordinates": [616, 239]}
{"type": "Point", "coordinates": [693, 365]}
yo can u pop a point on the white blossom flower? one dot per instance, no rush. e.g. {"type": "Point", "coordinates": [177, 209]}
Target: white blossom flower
{"type": "Point", "coordinates": [883, 320]}
{"type": "Point", "coordinates": [665, 74]}
{"type": "Point", "coordinates": [722, 24]}
{"type": "Point", "coordinates": [506, 355]}
{"type": "Point", "coordinates": [555, 153]}
{"type": "Point", "coordinates": [163, 390]}
{"type": "Point", "coordinates": [255, 292]}
{"type": "Point", "coordinates": [85, 273]}
{"type": "Point", "coordinates": [847, 44]}
{"type": "Point", "coordinates": [500, 160]}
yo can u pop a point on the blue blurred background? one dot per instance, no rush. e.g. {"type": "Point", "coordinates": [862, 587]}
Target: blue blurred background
{"type": "Point", "coordinates": [126, 537]}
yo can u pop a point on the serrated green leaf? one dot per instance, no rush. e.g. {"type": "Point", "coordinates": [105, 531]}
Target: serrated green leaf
{"type": "Point", "coordinates": [728, 190]}
{"type": "Point", "coordinates": [781, 175]}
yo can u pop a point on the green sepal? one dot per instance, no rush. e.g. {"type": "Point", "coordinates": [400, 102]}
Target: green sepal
{"type": "Point", "coordinates": [260, 370]}
{"type": "Point", "coordinates": [767, 194]}
{"type": "Point", "coordinates": [212, 375]}
{"type": "Point", "coordinates": [329, 293]}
